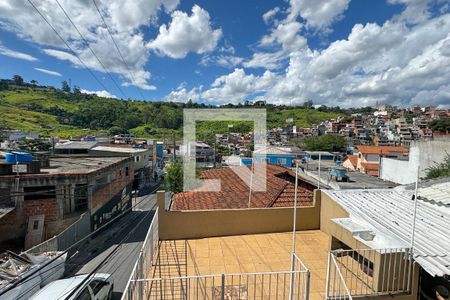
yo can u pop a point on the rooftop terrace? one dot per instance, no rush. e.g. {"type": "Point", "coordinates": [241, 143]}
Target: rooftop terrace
{"type": "Point", "coordinates": [246, 254]}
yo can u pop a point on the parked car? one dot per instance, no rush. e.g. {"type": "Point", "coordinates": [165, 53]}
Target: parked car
{"type": "Point", "coordinates": [98, 287]}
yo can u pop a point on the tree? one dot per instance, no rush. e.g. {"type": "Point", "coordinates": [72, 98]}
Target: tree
{"type": "Point", "coordinates": [173, 179]}
{"type": "Point", "coordinates": [442, 125]}
{"type": "Point", "coordinates": [17, 79]}
{"type": "Point", "coordinates": [327, 142]}
{"type": "Point", "coordinates": [76, 90]}
{"type": "Point", "coordinates": [115, 130]}
{"type": "Point", "coordinates": [440, 169]}
{"type": "Point", "coordinates": [33, 82]}
{"type": "Point", "coordinates": [65, 86]}
{"type": "Point", "coordinates": [34, 145]}
{"type": "Point", "coordinates": [3, 85]}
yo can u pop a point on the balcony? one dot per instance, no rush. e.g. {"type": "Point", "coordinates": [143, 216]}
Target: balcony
{"type": "Point", "coordinates": [204, 255]}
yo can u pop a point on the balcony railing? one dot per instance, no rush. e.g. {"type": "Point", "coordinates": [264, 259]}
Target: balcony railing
{"type": "Point", "coordinates": [369, 272]}
{"type": "Point", "coordinates": [262, 285]}
{"type": "Point", "coordinates": [134, 288]}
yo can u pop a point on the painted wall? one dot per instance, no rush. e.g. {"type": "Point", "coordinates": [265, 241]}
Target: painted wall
{"type": "Point", "coordinates": [423, 153]}
{"type": "Point", "coordinates": [275, 159]}
{"type": "Point", "coordinates": [175, 225]}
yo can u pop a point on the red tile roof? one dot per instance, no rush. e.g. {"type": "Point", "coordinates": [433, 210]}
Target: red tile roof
{"type": "Point", "coordinates": [373, 173]}
{"type": "Point", "coordinates": [381, 149]}
{"type": "Point", "coordinates": [370, 166]}
{"type": "Point", "coordinates": [353, 159]}
{"type": "Point", "coordinates": [234, 192]}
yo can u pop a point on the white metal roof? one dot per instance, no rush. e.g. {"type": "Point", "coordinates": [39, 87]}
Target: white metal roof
{"type": "Point", "coordinates": [390, 212]}
{"type": "Point", "coordinates": [119, 149]}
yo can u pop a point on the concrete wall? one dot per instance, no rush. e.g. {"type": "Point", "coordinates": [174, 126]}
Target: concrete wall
{"type": "Point", "coordinates": [423, 153]}
{"type": "Point", "coordinates": [207, 223]}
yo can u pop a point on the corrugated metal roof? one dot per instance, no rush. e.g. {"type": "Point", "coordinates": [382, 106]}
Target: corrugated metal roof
{"type": "Point", "coordinates": [390, 212]}
{"type": "Point", "coordinates": [76, 145]}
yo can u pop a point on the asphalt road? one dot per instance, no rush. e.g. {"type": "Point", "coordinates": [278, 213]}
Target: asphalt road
{"type": "Point", "coordinates": [133, 227]}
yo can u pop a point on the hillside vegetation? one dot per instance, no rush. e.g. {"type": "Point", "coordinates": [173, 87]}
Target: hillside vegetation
{"type": "Point", "coordinates": [58, 113]}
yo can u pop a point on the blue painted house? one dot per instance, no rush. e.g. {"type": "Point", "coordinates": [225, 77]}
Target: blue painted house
{"type": "Point", "coordinates": [275, 156]}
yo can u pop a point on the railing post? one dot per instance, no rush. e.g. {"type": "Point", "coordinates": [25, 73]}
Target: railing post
{"type": "Point", "coordinates": [308, 278]}
{"type": "Point", "coordinates": [222, 296]}
{"type": "Point", "coordinates": [327, 288]}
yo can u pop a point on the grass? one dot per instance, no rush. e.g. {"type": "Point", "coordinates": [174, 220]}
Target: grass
{"type": "Point", "coordinates": [32, 110]}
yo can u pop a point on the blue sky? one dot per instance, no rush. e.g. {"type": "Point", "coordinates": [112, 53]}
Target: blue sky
{"type": "Point", "coordinates": [335, 52]}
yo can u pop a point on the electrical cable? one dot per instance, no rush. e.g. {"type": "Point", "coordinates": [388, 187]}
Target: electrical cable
{"type": "Point", "coordinates": [68, 46]}
{"type": "Point", "coordinates": [92, 51]}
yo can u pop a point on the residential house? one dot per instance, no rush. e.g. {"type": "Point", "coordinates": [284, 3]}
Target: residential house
{"type": "Point", "coordinates": [349, 244]}
{"type": "Point", "coordinates": [235, 193]}
{"type": "Point", "coordinates": [56, 195]}
{"type": "Point", "coordinates": [369, 157]}
{"type": "Point", "coordinates": [275, 156]}
{"type": "Point", "coordinates": [422, 154]}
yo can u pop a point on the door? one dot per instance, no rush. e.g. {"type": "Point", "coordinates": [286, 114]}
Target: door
{"type": "Point", "coordinates": [35, 231]}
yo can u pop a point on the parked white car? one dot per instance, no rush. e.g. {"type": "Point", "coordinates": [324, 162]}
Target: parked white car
{"type": "Point", "coordinates": [98, 287]}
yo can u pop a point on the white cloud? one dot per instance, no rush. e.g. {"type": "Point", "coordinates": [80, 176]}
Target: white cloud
{"type": "Point", "coordinates": [186, 34]}
{"type": "Point", "coordinates": [317, 14]}
{"type": "Point", "coordinates": [101, 93]}
{"type": "Point", "coordinates": [48, 72]}
{"type": "Point", "coordinates": [16, 54]}
{"type": "Point", "coordinates": [226, 61]}
{"type": "Point", "coordinates": [270, 14]}
{"type": "Point", "coordinates": [415, 10]}
{"type": "Point", "coordinates": [18, 16]}
{"type": "Point", "coordinates": [394, 62]}
{"type": "Point", "coordinates": [238, 85]}
{"type": "Point", "coordinates": [182, 95]}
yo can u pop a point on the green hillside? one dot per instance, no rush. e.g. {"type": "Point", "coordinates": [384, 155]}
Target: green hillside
{"type": "Point", "coordinates": [62, 114]}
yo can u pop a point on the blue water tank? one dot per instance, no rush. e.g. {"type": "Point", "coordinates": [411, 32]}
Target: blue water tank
{"type": "Point", "coordinates": [18, 157]}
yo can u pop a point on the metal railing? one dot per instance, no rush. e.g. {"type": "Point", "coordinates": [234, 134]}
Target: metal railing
{"type": "Point", "coordinates": [267, 285]}
{"type": "Point", "coordinates": [262, 285]}
{"type": "Point", "coordinates": [135, 288]}
{"type": "Point", "coordinates": [369, 272]}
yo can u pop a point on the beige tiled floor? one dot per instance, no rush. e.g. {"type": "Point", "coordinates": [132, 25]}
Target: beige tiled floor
{"type": "Point", "coordinates": [245, 254]}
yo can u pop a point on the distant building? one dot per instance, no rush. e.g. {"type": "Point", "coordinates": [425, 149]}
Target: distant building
{"type": "Point", "coordinates": [58, 193]}
{"type": "Point", "coordinates": [425, 154]}
{"type": "Point", "coordinates": [369, 157]}
{"type": "Point", "coordinates": [74, 147]}
{"type": "Point", "coordinates": [275, 156]}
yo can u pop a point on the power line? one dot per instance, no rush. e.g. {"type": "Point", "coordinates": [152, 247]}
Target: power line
{"type": "Point", "coordinates": [92, 51]}
{"type": "Point", "coordinates": [68, 46]}
{"type": "Point", "coordinates": [117, 48]}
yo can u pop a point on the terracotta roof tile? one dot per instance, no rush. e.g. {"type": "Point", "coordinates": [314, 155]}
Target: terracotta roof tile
{"type": "Point", "coordinates": [381, 149]}
{"type": "Point", "coordinates": [370, 166]}
{"type": "Point", "coordinates": [234, 192]}
{"type": "Point", "coordinates": [353, 159]}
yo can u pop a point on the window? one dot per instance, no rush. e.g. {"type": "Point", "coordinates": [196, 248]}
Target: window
{"type": "Point", "coordinates": [84, 295]}
{"type": "Point", "coordinates": [96, 286]}
{"type": "Point", "coordinates": [35, 224]}
{"type": "Point", "coordinates": [281, 161]}
{"type": "Point", "coordinates": [127, 171]}
{"type": "Point", "coordinates": [39, 192]}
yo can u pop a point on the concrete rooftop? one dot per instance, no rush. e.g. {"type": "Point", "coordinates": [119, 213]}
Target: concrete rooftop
{"type": "Point", "coordinates": [245, 254]}
{"type": "Point", "coordinates": [79, 165]}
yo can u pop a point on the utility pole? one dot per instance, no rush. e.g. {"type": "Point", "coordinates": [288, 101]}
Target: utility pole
{"type": "Point", "coordinates": [174, 148]}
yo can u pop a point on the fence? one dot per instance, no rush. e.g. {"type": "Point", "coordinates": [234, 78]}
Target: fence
{"type": "Point", "coordinates": [141, 269]}
{"type": "Point", "coordinates": [72, 234]}
{"type": "Point", "coordinates": [369, 272]}
{"type": "Point", "coordinates": [265, 285]}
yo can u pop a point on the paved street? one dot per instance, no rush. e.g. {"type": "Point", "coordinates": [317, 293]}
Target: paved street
{"type": "Point", "coordinates": [120, 265]}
